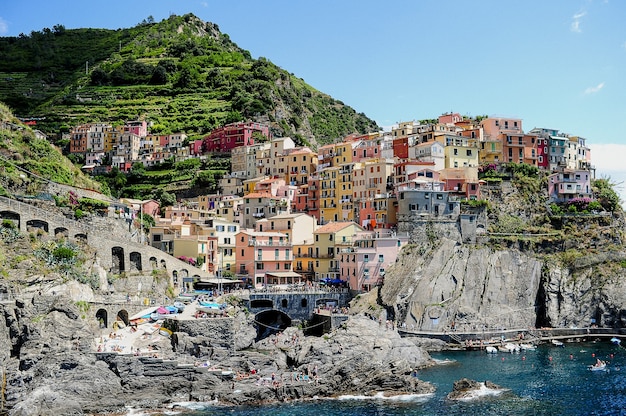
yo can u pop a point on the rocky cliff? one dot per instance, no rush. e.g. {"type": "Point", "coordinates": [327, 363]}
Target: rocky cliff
{"type": "Point", "coordinates": [530, 268]}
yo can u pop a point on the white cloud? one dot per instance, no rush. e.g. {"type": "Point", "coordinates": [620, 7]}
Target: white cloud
{"type": "Point", "coordinates": [593, 90]}
{"type": "Point", "coordinates": [4, 26]}
{"type": "Point", "coordinates": [575, 27]}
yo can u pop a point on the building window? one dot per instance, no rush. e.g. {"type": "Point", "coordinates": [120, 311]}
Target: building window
{"type": "Point", "coordinates": [381, 258]}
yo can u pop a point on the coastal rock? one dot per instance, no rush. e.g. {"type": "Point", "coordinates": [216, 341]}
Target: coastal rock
{"type": "Point", "coordinates": [473, 287]}
{"type": "Point", "coordinates": [466, 389]}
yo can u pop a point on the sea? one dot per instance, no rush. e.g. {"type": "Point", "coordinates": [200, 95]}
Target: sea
{"type": "Point", "coordinates": [550, 380]}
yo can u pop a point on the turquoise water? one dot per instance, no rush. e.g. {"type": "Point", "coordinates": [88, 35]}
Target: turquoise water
{"type": "Point", "coordinates": [547, 381]}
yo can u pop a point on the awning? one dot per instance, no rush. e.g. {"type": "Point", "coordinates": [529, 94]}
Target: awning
{"type": "Point", "coordinates": [216, 281]}
{"type": "Point", "coordinates": [283, 274]}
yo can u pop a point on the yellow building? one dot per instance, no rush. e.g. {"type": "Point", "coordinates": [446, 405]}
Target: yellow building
{"type": "Point", "coordinates": [329, 207]}
{"type": "Point", "coordinates": [459, 151]}
{"type": "Point", "coordinates": [329, 240]}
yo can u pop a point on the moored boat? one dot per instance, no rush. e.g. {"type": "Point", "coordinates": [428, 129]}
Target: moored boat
{"type": "Point", "coordinates": [527, 347]}
{"type": "Point", "coordinates": [557, 343]}
{"type": "Point", "coordinates": [491, 350]}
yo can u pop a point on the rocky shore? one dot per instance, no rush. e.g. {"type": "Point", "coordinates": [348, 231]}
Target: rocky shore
{"type": "Point", "coordinates": [50, 368]}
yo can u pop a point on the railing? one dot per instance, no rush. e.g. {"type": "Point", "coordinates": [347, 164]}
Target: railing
{"type": "Point", "coordinates": [265, 243]}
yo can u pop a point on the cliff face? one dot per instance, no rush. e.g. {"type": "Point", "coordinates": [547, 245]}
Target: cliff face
{"type": "Point", "coordinates": [475, 287]}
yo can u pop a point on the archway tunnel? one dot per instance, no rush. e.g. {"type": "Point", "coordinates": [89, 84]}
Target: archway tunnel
{"type": "Point", "coordinates": [270, 322]}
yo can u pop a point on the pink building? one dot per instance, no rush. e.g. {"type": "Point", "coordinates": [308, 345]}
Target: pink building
{"type": "Point", "coordinates": [363, 265]}
{"type": "Point", "coordinates": [264, 258]}
{"type": "Point", "coordinates": [139, 128]}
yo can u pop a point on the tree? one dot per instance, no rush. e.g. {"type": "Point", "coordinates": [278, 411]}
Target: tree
{"type": "Point", "coordinates": [99, 77]}
{"type": "Point", "coordinates": [159, 76]}
{"type": "Point", "coordinates": [165, 198]}
{"type": "Point", "coordinates": [605, 194]}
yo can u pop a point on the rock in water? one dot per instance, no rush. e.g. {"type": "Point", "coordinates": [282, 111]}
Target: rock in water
{"type": "Point", "coordinates": [466, 389]}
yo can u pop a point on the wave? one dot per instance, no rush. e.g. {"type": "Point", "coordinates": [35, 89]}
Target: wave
{"type": "Point", "coordinates": [483, 391]}
{"type": "Point", "coordinates": [444, 361]}
{"type": "Point", "coordinates": [383, 396]}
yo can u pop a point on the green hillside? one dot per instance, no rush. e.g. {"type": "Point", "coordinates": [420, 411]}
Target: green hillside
{"type": "Point", "coordinates": [181, 74]}
{"type": "Point", "coordinates": [28, 162]}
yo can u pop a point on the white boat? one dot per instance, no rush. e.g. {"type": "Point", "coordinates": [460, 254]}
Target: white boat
{"type": "Point", "coordinates": [509, 347]}
{"type": "Point", "coordinates": [491, 350]}
{"type": "Point", "coordinates": [601, 366]}
{"type": "Point", "coordinates": [557, 343]}
{"type": "Point", "coordinates": [616, 341]}
{"type": "Point", "coordinates": [527, 347]}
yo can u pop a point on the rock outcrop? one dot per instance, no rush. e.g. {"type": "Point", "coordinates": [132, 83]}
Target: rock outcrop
{"type": "Point", "coordinates": [466, 389]}
{"type": "Point", "coordinates": [51, 368]}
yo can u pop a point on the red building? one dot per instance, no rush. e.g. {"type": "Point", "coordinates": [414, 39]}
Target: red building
{"type": "Point", "coordinates": [233, 135]}
{"type": "Point", "coordinates": [401, 148]}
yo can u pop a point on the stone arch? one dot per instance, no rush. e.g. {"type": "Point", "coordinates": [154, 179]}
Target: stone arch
{"type": "Point", "coordinates": [61, 232]}
{"type": "Point", "coordinates": [153, 262]}
{"type": "Point", "coordinates": [122, 315]}
{"type": "Point", "coordinates": [175, 277]}
{"type": "Point", "coordinates": [43, 225]}
{"type": "Point", "coordinates": [135, 260]}
{"type": "Point", "coordinates": [184, 273]}
{"type": "Point", "coordinates": [163, 264]}
{"type": "Point", "coordinates": [480, 229]}
{"type": "Point", "coordinates": [81, 237]}
{"type": "Point", "coordinates": [304, 302]}
{"type": "Point", "coordinates": [14, 217]}
{"type": "Point", "coordinates": [102, 318]}
{"type": "Point", "coordinates": [284, 303]}
{"type": "Point", "coordinates": [270, 322]}
{"type": "Point", "coordinates": [117, 255]}
{"type": "Point", "coordinates": [262, 303]}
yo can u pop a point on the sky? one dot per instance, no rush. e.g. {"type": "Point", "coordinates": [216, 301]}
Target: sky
{"type": "Point", "coordinates": [558, 64]}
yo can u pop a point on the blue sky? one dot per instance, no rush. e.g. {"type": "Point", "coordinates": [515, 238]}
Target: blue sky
{"type": "Point", "coordinates": [557, 64]}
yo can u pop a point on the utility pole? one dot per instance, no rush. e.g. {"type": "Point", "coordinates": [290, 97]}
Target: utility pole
{"type": "Point", "coordinates": [86, 67]}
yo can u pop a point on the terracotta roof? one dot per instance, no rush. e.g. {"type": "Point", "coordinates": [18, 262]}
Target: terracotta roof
{"type": "Point", "coordinates": [333, 227]}
{"type": "Point", "coordinates": [260, 195]}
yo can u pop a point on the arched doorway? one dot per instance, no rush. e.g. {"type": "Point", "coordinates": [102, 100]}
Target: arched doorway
{"type": "Point", "coordinates": [117, 255]}
{"type": "Point", "coordinates": [61, 232]}
{"type": "Point", "coordinates": [122, 315]}
{"type": "Point", "coordinates": [42, 225]}
{"type": "Point", "coordinates": [14, 217]}
{"type": "Point", "coordinates": [270, 322]}
{"type": "Point", "coordinates": [101, 316]}
{"type": "Point", "coordinates": [135, 261]}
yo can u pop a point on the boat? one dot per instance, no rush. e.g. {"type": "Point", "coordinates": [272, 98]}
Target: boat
{"type": "Point", "coordinates": [509, 347]}
{"type": "Point", "coordinates": [616, 341]}
{"type": "Point", "coordinates": [180, 306]}
{"type": "Point", "coordinates": [527, 347]}
{"type": "Point", "coordinates": [211, 310]}
{"type": "Point", "coordinates": [491, 350]}
{"type": "Point", "coordinates": [598, 366]}
{"type": "Point", "coordinates": [165, 332]}
{"type": "Point", "coordinates": [557, 343]}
